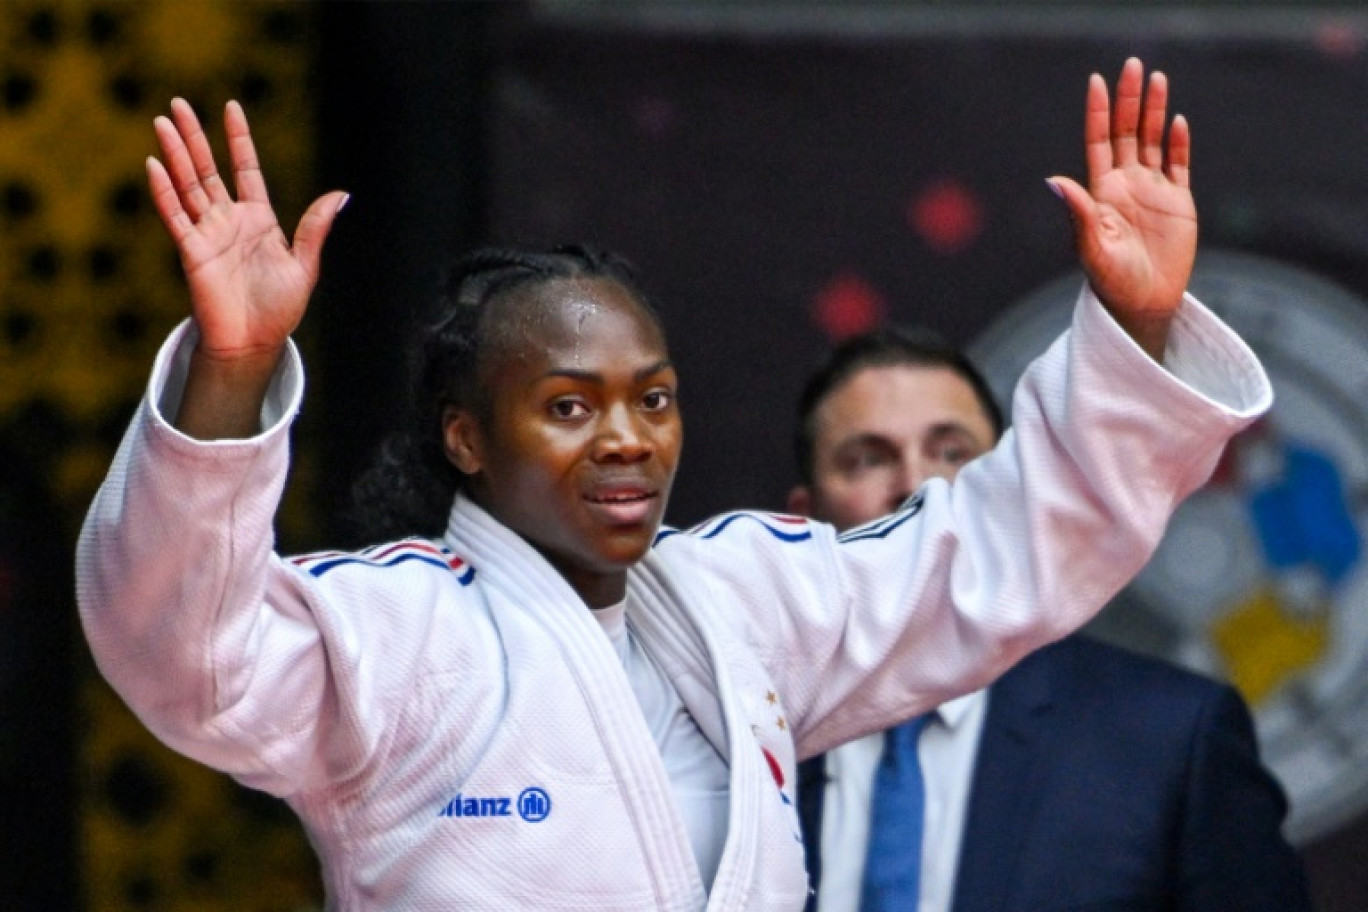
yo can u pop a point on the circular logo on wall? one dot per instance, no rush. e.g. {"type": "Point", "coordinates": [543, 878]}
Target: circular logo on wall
{"type": "Point", "coordinates": [1262, 577]}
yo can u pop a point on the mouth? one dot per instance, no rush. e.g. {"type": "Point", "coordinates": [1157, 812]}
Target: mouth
{"type": "Point", "coordinates": [626, 505]}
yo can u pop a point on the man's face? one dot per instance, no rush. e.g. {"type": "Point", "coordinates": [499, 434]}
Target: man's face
{"type": "Point", "coordinates": [882, 433]}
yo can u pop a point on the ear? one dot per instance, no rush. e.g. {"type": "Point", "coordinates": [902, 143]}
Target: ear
{"type": "Point", "coordinates": [462, 439]}
{"type": "Point", "coordinates": [800, 501]}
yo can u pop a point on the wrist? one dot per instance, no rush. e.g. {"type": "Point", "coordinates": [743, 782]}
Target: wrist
{"type": "Point", "coordinates": [240, 362]}
{"type": "Point", "coordinates": [224, 393]}
{"type": "Point", "coordinates": [1150, 332]}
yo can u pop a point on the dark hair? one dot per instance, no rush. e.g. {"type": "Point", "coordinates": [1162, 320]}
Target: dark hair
{"type": "Point", "coordinates": [409, 488]}
{"type": "Point", "coordinates": [886, 347]}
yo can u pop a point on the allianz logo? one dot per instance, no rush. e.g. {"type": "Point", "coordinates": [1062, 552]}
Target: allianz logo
{"type": "Point", "coordinates": [533, 805]}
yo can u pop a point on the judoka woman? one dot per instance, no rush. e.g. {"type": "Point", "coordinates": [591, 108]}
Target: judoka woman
{"type": "Point", "coordinates": [548, 702]}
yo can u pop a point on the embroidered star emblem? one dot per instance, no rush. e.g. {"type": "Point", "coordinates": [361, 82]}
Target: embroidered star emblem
{"type": "Point", "coordinates": [782, 724]}
{"type": "Point", "coordinates": [771, 698]}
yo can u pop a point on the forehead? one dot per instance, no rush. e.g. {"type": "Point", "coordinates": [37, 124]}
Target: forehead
{"type": "Point", "coordinates": [900, 400]}
{"type": "Point", "coordinates": [577, 314]}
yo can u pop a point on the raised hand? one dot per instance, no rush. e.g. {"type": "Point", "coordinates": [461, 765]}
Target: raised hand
{"type": "Point", "coordinates": [249, 286]}
{"type": "Point", "coordinates": [1135, 224]}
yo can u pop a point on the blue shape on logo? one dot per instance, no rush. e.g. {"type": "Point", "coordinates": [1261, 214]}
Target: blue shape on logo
{"type": "Point", "coordinates": [1304, 516]}
{"type": "Point", "coordinates": [534, 805]}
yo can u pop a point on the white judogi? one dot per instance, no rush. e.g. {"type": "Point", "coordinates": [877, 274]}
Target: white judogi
{"type": "Point", "coordinates": [456, 731]}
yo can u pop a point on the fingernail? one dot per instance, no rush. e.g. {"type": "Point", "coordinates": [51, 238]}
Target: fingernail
{"type": "Point", "coordinates": [343, 205]}
{"type": "Point", "coordinates": [1054, 188]}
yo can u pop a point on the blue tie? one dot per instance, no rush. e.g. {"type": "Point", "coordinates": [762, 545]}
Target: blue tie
{"type": "Point", "coordinates": [893, 866]}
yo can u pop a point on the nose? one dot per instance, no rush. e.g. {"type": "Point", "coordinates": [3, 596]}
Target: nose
{"type": "Point", "coordinates": [910, 476]}
{"type": "Point", "coordinates": [623, 436]}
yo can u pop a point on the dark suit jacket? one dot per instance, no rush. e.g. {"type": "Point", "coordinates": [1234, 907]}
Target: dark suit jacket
{"type": "Point", "coordinates": [1108, 781]}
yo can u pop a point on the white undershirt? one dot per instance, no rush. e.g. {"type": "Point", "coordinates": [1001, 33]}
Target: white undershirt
{"type": "Point", "coordinates": [698, 775]}
{"type": "Point", "coordinates": [946, 752]}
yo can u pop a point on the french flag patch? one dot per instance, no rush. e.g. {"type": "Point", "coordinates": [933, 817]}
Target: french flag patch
{"type": "Point", "coordinates": [390, 555]}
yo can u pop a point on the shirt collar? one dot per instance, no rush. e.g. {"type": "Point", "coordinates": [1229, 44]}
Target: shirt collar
{"type": "Point", "coordinates": [953, 712]}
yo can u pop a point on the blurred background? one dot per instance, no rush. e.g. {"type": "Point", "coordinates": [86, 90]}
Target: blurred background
{"type": "Point", "coordinates": [783, 174]}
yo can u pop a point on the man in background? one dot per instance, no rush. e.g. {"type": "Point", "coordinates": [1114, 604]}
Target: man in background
{"type": "Point", "coordinates": [1086, 778]}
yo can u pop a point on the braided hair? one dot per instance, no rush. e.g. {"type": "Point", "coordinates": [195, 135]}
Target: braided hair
{"type": "Point", "coordinates": [410, 485]}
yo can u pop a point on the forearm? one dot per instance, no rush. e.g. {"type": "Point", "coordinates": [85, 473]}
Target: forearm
{"type": "Point", "coordinates": [1150, 333]}
{"type": "Point", "coordinates": [223, 398]}
{"type": "Point", "coordinates": [175, 555]}
{"type": "Point", "coordinates": [1034, 538]}
{"type": "Point", "coordinates": [1105, 444]}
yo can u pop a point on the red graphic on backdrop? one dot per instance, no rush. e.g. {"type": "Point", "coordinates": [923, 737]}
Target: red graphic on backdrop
{"type": "Point", "coordinates": [947, 216]}
{"type": "Point", "coordinates": [1340, 39]}
{"type": "Point", "coordinates": [847, 306]}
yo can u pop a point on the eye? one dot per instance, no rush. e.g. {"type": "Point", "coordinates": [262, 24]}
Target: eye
{"type": "Point", "coordinates": [862, 459]}
{"type": "Point", "coordinates": [657, 400]}
{"type": "Point", "coordinates": [568, 409]}
{"type": "Point", "coordinates": [869, 459]}
{"type": "Point", "coordinates": [955, 454]}
{"type": "Point", "coordinates": [955, 451]}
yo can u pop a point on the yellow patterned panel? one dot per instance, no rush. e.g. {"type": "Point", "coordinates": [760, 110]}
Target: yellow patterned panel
{"type": "Point", "coordinates": [88, 281]}
{"type": "Point", "coordinates": [161, 832]}
{"type": "Point", "coordinates": [88, 287]}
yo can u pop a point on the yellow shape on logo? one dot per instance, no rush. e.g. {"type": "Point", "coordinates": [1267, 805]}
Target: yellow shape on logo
{"type": "Point", "coordinates": [1263, 644]}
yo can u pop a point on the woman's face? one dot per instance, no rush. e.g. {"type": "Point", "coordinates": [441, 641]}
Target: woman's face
{"type": "Point", "coordinates": [578, 448]}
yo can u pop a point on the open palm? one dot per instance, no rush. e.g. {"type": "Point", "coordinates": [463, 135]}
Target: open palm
{"type": "Point", "coordinates": [1136, 223]}
{"type": "Point", "coordinates": [249, 286]}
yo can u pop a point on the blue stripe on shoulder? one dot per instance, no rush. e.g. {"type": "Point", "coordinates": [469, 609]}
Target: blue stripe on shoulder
{"type": "Point", "coordinates": [881, 528]}
{"type": "Point", "coordinates": [320, 569]}
{"type": "Point", "coordinates": [720, 525]}
{"type": "Point", "coordinates": [390, 555]}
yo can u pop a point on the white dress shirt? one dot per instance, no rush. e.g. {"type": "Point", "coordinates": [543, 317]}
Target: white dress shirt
{"type": "Point", "coordinates": [946, 752]}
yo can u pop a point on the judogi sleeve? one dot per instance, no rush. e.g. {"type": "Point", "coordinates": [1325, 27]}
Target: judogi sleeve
{"type": "Point", "coordinates": [890, 619]}
{"type": "Point", "coordinates": [219, 646]}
